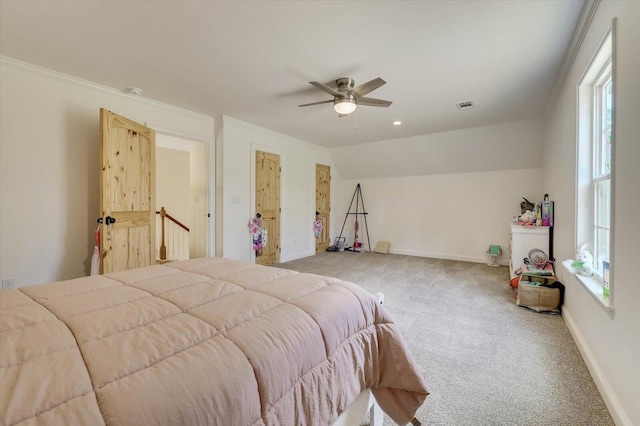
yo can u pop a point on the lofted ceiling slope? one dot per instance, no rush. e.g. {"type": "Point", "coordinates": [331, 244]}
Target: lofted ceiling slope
{"type": "Point", "coordinates": [253, 60]}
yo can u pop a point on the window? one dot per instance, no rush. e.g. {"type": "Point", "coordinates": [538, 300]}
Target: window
{"type": "Point", "coordinates": [601, 179]}
{"type": "Point", "coordinates": [595, 164]}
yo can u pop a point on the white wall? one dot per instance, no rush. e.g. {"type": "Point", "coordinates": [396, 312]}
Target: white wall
{"type": "Point", "coordinates": [506, 146]}
{"type": "Point", "coordinates": [445, 195]}
{"type": "Point", "coordinates": [610, 344]}
{"type": "Point", "coordinates": [49, 162]}
{"type": "Point", "coordinates": [447, 216]}
{"type": "Point", "coordinates": [172, 177]}
{"type": "Point", "coordinates": [237, 143]}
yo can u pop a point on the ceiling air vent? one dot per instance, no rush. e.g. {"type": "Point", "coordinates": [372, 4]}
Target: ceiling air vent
{"type": "Point", "coordinates": [465, 105]}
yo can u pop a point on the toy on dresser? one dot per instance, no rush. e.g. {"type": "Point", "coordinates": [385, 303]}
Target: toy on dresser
{"type": "Point", "coordinates": [528, 217]}
{"type": "Point", "coordinates": [527, 214]}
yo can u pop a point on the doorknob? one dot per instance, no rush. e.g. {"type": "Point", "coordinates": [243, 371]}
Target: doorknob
{"type": "Point", "coordinates": [108, 220]}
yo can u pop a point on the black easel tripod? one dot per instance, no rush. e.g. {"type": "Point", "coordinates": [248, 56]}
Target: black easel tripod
{"type": "Point", "coordinates": [357, 195]}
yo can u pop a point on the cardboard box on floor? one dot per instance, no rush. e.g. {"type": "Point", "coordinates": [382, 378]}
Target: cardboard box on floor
{"type": "Point", "coordinates": [382, 247]}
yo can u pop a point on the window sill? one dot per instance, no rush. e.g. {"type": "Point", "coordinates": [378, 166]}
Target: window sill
{"type": "Point", "coordinates": [594, 286]}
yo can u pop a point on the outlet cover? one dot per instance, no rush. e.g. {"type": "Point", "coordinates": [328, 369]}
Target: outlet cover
{"type": "Point", "coordinates": [8, 283]}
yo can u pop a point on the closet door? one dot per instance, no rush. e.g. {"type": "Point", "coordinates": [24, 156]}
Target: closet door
{"type": "Point", "coordinates": [323, 204]}
{"type": "Point", "coordinates": [268, 204]}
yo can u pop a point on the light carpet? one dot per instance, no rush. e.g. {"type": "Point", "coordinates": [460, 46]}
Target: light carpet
{"type": "Point", "coordinates": [485, 360]}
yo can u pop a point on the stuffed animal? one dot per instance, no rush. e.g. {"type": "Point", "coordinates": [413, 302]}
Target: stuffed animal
{"type": "Point", "coordinates": [583, 263]}
{"type": "Point", "coordinates": [528, 217]}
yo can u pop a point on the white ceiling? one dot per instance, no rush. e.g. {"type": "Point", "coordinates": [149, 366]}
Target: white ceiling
{"type": "Point", "coordinates": [253, 60]}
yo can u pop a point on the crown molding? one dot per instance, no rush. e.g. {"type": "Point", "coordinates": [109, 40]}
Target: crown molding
{"type": "Point", "coordinates": [579, 34]}
{"type": "Point", "coordinates": [25, 66]}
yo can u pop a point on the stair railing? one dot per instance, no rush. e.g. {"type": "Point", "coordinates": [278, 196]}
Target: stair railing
{"type": "Point", "coordinates": [178, 243]}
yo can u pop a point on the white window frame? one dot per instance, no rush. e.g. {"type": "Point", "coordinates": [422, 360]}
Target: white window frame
{"type": "Point", "coordinates": [600, 70]}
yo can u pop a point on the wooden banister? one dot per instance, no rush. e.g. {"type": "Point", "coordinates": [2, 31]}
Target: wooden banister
{"type": "Point", "coordinates": [163, 214]}
{"type": "Point", "coordinates": [173, 219]}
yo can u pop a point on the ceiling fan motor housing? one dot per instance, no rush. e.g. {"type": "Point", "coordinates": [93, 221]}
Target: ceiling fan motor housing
{"type": "Point", "coordinates": [345, 84]}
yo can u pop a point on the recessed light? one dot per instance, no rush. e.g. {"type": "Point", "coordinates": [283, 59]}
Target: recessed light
{"type": "Point", "coordinates": [397, 123]}
{"type": "Point", "coordinates": [133, 91]}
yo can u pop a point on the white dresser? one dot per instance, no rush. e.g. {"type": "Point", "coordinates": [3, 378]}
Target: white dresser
{"type": "Point", "coordinates": [525, 239]}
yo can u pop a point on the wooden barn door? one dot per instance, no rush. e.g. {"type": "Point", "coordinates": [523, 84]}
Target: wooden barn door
{"type": "Point", "coordinates": [127, 193]}
{"type": "Point", "coordinates": [268, 204]}
{"type": "Point", "coordinates": [323, 204]}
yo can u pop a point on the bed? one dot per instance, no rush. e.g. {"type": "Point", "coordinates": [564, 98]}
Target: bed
{"type": "Point", "coordinates": [207, 341]}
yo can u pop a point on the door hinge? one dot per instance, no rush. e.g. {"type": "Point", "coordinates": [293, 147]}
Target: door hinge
{"type": "Point", "coordinates": [280, 169]}
{"type": "Point", "coordinates": [279, 249]}
{"type": "Point", "coordinates": [280, 209]}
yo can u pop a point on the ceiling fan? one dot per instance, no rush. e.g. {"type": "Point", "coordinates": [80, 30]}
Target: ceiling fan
{"type": "Point", "coordinates": [346, 98]}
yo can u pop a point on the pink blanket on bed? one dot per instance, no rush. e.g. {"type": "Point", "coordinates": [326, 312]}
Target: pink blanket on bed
{"type": "Point", "coordinates": [206, 341]}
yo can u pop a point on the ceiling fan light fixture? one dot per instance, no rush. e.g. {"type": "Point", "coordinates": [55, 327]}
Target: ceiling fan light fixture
{"type": "Point", "coordinates": [345, 105]}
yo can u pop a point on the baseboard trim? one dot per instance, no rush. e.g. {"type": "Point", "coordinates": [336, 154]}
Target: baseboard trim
{"type": "Point", "coordinates": [474, 259]}
{"type": "Point", "coordinates": [617, 412]}
{"type": "Point", "coordinates": [296, 256]}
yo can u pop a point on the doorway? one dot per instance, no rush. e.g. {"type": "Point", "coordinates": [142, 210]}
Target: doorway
{"type": "Point", "coordinates": [182, 189]}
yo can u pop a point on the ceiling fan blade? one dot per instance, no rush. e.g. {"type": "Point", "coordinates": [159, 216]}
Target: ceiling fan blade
{"type": "Point", "coordinates": [373, 102]}
{"type": "Point", "coordinates": [316, 103]}
{"type": "Point", "coordinates": [367, 87]}
{"type": "Point", "coordinates": [327, 89]}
